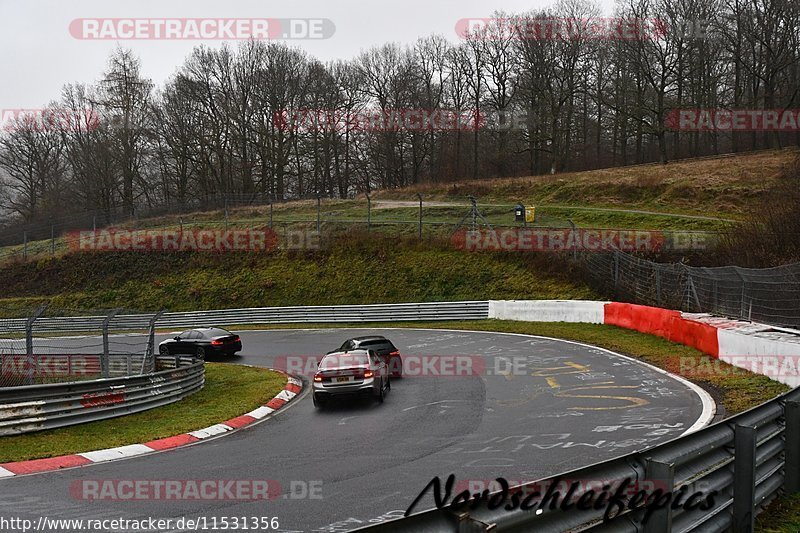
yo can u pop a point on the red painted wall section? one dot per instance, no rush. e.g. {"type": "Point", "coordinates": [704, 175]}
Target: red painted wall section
{"type": "Point", "coordinates": [665, 323]}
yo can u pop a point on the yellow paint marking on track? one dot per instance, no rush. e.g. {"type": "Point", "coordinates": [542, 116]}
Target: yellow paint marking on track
{"type": "Point", "coordinates": [570, 368]}
{"type": "Point", "coordinates": [565, 393]}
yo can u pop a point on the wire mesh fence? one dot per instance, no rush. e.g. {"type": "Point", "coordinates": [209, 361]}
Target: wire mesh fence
{"type": "Point", "coordinates": [40, 346]}
{"type": "Point", "coordinates": [769, 295]}
{"type": "Point", "coordinates": [421, 217]}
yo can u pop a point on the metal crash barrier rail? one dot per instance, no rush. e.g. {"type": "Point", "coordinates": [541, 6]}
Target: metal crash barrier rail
{"type": "Point", "coordinates": [30, 408]}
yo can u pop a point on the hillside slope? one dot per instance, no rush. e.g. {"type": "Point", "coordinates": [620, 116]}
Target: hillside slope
{"type": "Point", "coordinates": [722, 186]}
{"type": "Point", "coordinates": [351, 272]}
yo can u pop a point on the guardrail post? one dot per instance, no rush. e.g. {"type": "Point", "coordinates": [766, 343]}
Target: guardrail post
{"type": "Point", "coordinates": [791, 468]}
{"type": "Point", "coordinates": [369, 213]}
{"type": "Point", "coordinates": [30, 371]}
{"type": "Point", "coordinates": [104, 361]}
{"type": "Point", "coordinates": [744, 479]}
{"type": "Point", "coordinates": [660, 473]}
{"type": "Point", "coordinates": [151, 340]}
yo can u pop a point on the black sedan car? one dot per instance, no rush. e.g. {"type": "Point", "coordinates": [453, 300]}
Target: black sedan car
{"type": "Point", "coordinates": [381, 346]}
{"type": "Point", "coordinates": [202, 342]}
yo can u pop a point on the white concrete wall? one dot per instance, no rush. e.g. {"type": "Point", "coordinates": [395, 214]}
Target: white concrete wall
{"type": "Point", "coordinates": [548, 310]}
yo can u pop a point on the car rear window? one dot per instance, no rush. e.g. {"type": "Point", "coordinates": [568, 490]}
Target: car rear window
{"type": "Point", "coordinates": [382, 344]}
{"type": "Point", "coordinates": [344, 360]}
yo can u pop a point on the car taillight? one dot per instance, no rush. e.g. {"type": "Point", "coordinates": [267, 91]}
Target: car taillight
{"type": "Point", "coordinates": [368, 374]}
{"type": "Point", "coordinates": [318, 378]}
{"type": "Point", "coordinates": [396, 352]}
{"type": "Point", "coordinates": [216, 342]}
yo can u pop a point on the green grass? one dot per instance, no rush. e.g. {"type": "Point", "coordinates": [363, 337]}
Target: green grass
{"type": "Point", "coordinates": [781, 516]}
{"type": "Point", "coordinates": [339, 216]}
{"type": "Point", "coordinates": [229, 391]}
{"type": "Point", "coordinates": [352, 271]}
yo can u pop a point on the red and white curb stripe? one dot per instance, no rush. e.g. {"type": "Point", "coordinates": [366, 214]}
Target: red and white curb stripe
{"type": "Point", "coordinates": [293, 387]}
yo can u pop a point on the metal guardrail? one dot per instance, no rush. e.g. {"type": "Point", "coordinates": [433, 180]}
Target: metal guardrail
{"type": "Point", "coordinates": [36, 407]}
{"type": "Point", "coordinates": [748, 459]}
{"type": "Point", "coordinates": [475, 310]}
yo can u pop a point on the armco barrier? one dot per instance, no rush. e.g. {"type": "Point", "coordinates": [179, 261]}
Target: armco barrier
{"type": "Point", "coordinates": [744, 461]}
{"type": "Point", "coordinates": [670, 325]}
{"type": "Point", "coordinates": [37, 407]}
{"type": "Point", "coordinates": [267, 315]}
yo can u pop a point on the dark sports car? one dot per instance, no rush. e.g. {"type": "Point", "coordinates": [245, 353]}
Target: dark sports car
{"type": "Point", "coordinates": [202, 342]}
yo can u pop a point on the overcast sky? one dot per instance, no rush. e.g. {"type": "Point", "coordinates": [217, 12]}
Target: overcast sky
{"type": "Point", "coordinates": [39, 54]}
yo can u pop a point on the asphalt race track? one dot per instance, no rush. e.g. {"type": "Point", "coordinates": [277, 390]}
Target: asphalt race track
{"type": "Point", "coordinates": [566, 405]}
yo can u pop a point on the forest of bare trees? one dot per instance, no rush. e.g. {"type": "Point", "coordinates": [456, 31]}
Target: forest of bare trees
{"type": "Point", "coordinates": [588, 103]}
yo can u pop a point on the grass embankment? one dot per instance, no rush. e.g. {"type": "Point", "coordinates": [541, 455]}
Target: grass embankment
{"type": "Point", "coordinates": [651, 196]}
{"type": "Point", "coordinates": [350, 272]}
{"type": "Point", "coordinates": [725, 187]}
{"type": "Point", "coordinates": [243, 388]}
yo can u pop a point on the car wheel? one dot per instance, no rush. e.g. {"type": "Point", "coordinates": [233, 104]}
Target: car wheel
{"type": "Point", "coordinates": [200, 352]}
{"type": "Point", "coordinates": [163, 350]}
{"type": "Point", "coordinates": [381, 393]}
{"type": "Point", "coordinates": [318, 403]}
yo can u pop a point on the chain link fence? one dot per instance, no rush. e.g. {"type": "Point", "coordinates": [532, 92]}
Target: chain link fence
{"type": "Point", "coordinates": [768, 295]}
{"type": "Point", "coordinates": [40, 346]}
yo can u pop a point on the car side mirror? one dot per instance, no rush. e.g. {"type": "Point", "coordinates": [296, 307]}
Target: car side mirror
{"type": "Point", "coordinates": [319, 362]}
{"type": "Point", "coordinates": [176, 338]}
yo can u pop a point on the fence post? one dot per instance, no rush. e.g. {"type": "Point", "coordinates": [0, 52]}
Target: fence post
{"type": "Point", "coordinates": [743, 295]}
{"type": "Point", "coordinates": [94, 223]}
{"type": "Point", "coordinates": [574, 244]}
{"type": "Point", "coordinates": [150, 352]}
{"type": "Point", "coordinates": [420, 215]}
{"type": "Point", "coordinates": [791, 468]}
{"type": "Point", "coordinates": [52, 241]}
{"type": "Point", "coordinates": [319, 201]}
{"type": "Point", "coordinates": [616, 271]}
{"type": "Point", "coordinates": [661, 520]}
{"type": "Point", "coordinates": [24, 245]}
{"type": "Point", "coordinates": [30, 372]}
{"type": "Point", "coordinates": [658, 286]}
{"type": "Point", "coordinates": [744, 479]}
{"type": "Point", "coordinates": [369, 213]}
{"type": "Point", "coordinates": [270, 214]}
{"type": "Point", "coordinates": [226, 214]}
{"type": "Point", "coordinates": [104, 360]}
